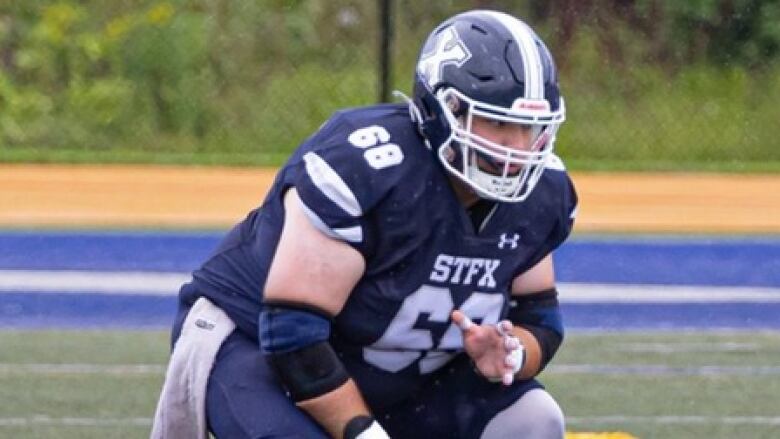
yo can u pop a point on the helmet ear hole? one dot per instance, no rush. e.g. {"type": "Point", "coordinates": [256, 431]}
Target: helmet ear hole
{"type": "Point", "coordinates": [453, 104]}
{"type": "Point", "coordinates": [456, 106]}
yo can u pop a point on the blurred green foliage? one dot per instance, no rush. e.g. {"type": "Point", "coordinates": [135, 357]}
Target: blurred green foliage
{"type": "Point", "coordinates": [650, 84]}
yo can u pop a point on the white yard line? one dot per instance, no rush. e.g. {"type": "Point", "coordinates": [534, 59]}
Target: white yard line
{"type": "Point", "coordinates": [675, 420]}
{"type": "Point", "coordinates": [100, 282]}
{"type": "Point", "coordinates": [82, 368]}
{"type": "Point", "coordinates": [168, 283]}
{"type": "Point", "coordinates": [630, 293]}
{"type": "Point", "coordinates": [663, 369]}
{"type": "Point", "coordinates": [685, 347]}
{"type": "Point", "coordinates": [74, 422]}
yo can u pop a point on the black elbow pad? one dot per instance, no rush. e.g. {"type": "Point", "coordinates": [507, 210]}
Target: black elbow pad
{"type": "Point", "coordinates": [310, 371]}
{"type": "Point", "coordinates": [294, 339]}
{"type": "Point", "coordinates": [540, 314]}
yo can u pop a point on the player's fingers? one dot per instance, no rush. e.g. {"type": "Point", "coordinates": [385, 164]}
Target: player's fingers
{"type": "Point", "coordinates": [511, 343]}
{"type": "Point", "coordinates": [504, 327]}
{"type": "Point", "coordinates": [462, 320]}
{"type": "Point", "coordinates": [465, 323]}
{"type": "Point", "coordinates": [510, 360]}
{"type": "Point", "coordinates": [508, 378]}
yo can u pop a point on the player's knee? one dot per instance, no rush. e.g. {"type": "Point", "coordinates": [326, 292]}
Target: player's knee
{"type": "Point", "coordinates": [535, 415]}
{"type": "Point", "coordinates": [544, 417]}
{"type": "Point", "coordinates": [549, 422]}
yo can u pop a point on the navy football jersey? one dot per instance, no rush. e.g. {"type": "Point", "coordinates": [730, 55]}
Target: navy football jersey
{"type": "Point", "coordinates": [367, 178]}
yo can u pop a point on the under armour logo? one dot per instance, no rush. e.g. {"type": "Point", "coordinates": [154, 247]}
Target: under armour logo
{"type": "Point", "coordinates": [449, 49]}
{"type": "Point", "coordinates": [505, 240]}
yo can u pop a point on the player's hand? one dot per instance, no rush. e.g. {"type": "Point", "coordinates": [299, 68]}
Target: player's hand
{"type": "Point", "coordinates": [497, 354]}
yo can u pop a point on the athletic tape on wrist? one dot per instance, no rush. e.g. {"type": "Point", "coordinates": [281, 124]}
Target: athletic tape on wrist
{"type": "Point", "coordinates": [364, 427]}
{"type": "Point", "coordinates": [375, 431]}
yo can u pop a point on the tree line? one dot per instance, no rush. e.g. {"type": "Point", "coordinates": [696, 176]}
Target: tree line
{"type": "Point", "coordinates": [196, 75]}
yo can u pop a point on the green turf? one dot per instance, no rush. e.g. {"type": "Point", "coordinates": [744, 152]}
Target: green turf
{"type": "Point", "coordinates": [698, 385]}
{"type": "Point", "coordinates": [39, 400]}
{"type": "Point", "coordinates": [104, 384]}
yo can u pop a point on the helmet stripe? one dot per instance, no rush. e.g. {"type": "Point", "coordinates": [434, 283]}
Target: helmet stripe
{"type": "Point", "coordinates": [529, 52]}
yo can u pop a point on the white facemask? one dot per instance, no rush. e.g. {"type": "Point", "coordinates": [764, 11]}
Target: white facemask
{"type": "Point", "coordinates": [502, 185]}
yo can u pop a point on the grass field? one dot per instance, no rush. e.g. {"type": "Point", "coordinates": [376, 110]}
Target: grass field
{"type": "Point", "coordinates": [104, 384]}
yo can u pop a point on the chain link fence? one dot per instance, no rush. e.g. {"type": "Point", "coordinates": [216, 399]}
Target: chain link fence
{"type": "Point", "coordinates": [647, 82]}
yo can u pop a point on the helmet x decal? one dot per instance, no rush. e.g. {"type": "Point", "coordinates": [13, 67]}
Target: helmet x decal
{"type": "Point", "coordinates": [450, 49]}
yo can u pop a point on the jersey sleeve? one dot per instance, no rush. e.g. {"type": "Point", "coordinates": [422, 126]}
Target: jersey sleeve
{"type": "Point", "coordinates": [340, 182]}
{"type": "Point", "coordinates": [560, 200]}
{"type": "Point", "coordinates": [568, 215]}
{"type": "Point", "coordinates": [566, 209]}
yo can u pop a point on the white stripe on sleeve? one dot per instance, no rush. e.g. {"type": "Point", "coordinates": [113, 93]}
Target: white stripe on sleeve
{"type": "Point", "coordinates": [331, 184]}
{"type": "Point", "coordinates": [349, 234]}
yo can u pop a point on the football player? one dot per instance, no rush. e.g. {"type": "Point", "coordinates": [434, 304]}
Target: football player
{"type": "Point", "coordinates": [397, 281]}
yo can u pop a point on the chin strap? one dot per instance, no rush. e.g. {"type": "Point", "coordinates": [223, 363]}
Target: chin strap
{"type": "Point", "coordinates": [414, 112]}
{"type": "Point", "coordinates": [495, 184]}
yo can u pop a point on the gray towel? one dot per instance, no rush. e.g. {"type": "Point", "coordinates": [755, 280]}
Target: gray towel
{"type": "Point", "coordinates": [181, 410]}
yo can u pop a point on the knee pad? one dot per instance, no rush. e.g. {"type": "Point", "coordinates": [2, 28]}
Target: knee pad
{"type": "Point", "coordinates": [535, 415]}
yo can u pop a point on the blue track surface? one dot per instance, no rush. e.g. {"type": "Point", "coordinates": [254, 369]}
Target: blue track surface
{"type": "Point", "coordinates": [753, 262]}
{"type": "Point", "coordinates": [103, 251]}
{"type": "Point", "coordinates": [677, 261]}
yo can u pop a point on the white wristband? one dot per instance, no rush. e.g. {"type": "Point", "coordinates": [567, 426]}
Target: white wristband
{"type": "Point", "coordinates": [374, 431]}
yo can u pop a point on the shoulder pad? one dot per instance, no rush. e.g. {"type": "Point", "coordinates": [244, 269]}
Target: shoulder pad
{"type": "Point", "coordinates": [555, 163]}
{"type": "Point", "coordinates": [351, 164]}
